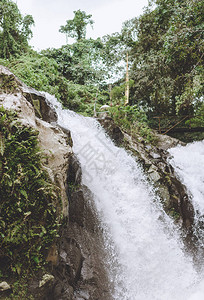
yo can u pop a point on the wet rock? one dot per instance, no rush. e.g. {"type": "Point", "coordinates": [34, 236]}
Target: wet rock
{"type": "Point", "coordinates": [68, 134]}
{"type": "Point", "coordinates": [43, 109]}
{"type": "Point", "coordinates": [112, 129]}
{"type": "Point", "coordinates": [76, 261]}
{"type": "Point", "coordinates": [153, 174]}
{"type": "Point", "coordinates": [60, 292]}
{"type": "Point", "coordinates": [155, 155]}
{"type": "Point", "coordinates": [5, 290]}
{"type": "Point", "coordinates": [181, 202]}
{"type": "Point", "coordinates": [10, 84]}
{"type": "Point", "coordinates": [81, 262]}
{"type": "Point", "coordinates": [4, 286]}
{"type": "Point", "coordinates": [47, 279]}
{"type": "Point", "coordinates": [74, 171]}
{"type": "Point", "coordinates": [71, 259]}
{"type": "Point", "coordinates": [154, 160]}
{"type": "Point", "coordinates": [163, 192]}
{"type": "Point", "coordinates": [164, 142]}
{"type": "Point", "coordinates": [171, 191]}
{"type": "Point", "coordinates": [52, 140]}
{"type": "Point", "coordinates": [82, 295]}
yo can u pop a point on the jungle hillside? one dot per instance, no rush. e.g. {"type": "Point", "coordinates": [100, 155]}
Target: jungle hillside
{"type": "Point", "coordinates": [150, 73]}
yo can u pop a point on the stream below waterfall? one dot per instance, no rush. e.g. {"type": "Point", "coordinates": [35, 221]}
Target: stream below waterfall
{"type": "Point", "coordinates": [145, 255]}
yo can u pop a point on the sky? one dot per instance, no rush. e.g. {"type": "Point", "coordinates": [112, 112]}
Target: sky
{"type": "Point", "coordinates": [49, 15]}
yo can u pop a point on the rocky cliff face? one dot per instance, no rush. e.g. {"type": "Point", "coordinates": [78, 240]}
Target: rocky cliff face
{"type": "Point", "coordinates": [160, 173]}
{"type": "Point", "coordinates": [34, 111]}
{"type": "Point", "coordinates": [76, 269]}
{"type": "Point", "coordinates": [77, 260]}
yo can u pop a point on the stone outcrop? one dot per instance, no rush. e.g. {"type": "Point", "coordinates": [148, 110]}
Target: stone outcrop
{"type": "Point", "coordinates": [53, 141]}
{"type": "Point", "coordinates": [76, 261]}
{"type": "Point", "coordinates": [5, 289]}
{"type": "Point", "coordinates": [76, 269]}
{"type": "Point", "coordinates": [113, 130]}
{"type": "Point", "coordinates": [81, 266]}
{"type": "Point", "coordinates": [154, 160]}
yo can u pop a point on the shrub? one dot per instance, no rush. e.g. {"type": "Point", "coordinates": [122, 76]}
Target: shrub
{"type": "Point", "coordinates": [28, 222]}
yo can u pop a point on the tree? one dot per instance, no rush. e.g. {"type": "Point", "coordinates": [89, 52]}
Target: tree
{"type": "Point", "coordinates": [79, 62]}
{"type": "Point", "coordinates": [14, 29]}
{"type": "Point", "coordinates": [167, 56]}
{"type": "Point", "coordinates": [76, 28]}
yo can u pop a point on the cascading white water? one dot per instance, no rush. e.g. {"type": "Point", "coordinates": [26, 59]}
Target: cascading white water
{"type": "Point", "coordinates": [146, 260]}
{"type": "Point", "coordinates": [188, 161]}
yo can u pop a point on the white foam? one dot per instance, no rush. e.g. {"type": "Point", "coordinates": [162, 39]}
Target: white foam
{"type": "Point", "coordinates": [146, 260]}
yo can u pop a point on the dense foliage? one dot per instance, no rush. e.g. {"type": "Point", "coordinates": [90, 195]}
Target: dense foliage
{"type": "Point", "coordinates": [134, 121]}
{"type": "Point", "coordinates": [15, 30]}
{"type": "Point", "coordinates": [80, 61]}
{"type": "Point", "coordinates": [43, 74]}
{"type": "Point", "coordinates": [76, 28]}
{"type": "Point", "coordinates": [167, 56]}
{"type": "Point", "coordinates": [28, 222]}
{"type": "Point", "coordinates": [165, 47]}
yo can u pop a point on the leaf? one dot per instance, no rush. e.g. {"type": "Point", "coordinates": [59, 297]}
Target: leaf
{"type": "Point", "coordinates": [36, 259]}
{"type": "Point", "coordinates": [18, 269]}
{"type": "Point", "coordinates": [43, 232]}
{"type": "Point", "coordinates": [3, 118]}
{"type": "Point", "coordinates": [24, 193]}
{"type": "Point", "coordinates": [27, 214]}
{"type": "Point", "coordinates": [2, 145]}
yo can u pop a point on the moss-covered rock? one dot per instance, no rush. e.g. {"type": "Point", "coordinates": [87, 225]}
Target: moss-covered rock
{"type": "Point", "coordinates": [34, 159]}
{"type": "Point", "coordinates": [75, 260]}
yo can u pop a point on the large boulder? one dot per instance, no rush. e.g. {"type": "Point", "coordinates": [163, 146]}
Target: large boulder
{"type": "Point", "coordinates": [34, 111]}
{"type": "Point", "coordinates": [10, 84]}
{"type": "Point", "coordinates": [76, 269]}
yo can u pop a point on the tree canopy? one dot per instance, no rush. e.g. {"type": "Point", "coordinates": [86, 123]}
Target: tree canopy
{"type": "Point", "coordinates": [165, 47]}
{"type": "Point", "coordinates": [78, 62]}
{"type": "Point", "coordinates": [76, 28]}
{"type": "Point", "coordinates": [15, 30]}
{"type": "Point", "coordinates": [167, 56]}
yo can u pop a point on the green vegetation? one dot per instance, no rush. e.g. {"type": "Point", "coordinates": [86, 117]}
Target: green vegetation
{"type": "Point", "coordinates": [79, 62]}
{"type": "Point", "coordinates": [165, 48]}
{"type": "Point", "coordinates": [167, 57]}
{"type": "Point", "coordinates": [36, 70]}
{"type": "Point", "coordinates": [15, 30]}
{"type": "Point", "coordinates": [133, 121]}
{"type": "Point", "coordinates": [28, 221]}
{"type": "Point", "coordinates": [76, 28]}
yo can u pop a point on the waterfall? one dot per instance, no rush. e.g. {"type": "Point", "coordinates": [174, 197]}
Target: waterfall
{"type": "Point", "coordinates": [145, 257]}
{"type": "Point", "coordinates": [188, 162]}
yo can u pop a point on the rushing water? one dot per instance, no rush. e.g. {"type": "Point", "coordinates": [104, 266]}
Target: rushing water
{"type": "Point", "coordinates": [146, 260]}
{"type": "Point", "coordinates": [188, 162]}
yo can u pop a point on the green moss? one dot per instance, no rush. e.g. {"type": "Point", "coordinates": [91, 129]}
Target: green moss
{"type": "Point", "coordinates": [174, 214]}
{"type": "Point", "coordinates": [36, 104]}
{"type": "Point", "coordinates": [168, 179]}
{"type": "Point", "coordinates": [7, 84]}
{"type": "Point", "coordinates": [134, 121]}
{"type": "Point", "coordinates": [19, 290]}
{"type": "Point", "coordinates": [28, 220]}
